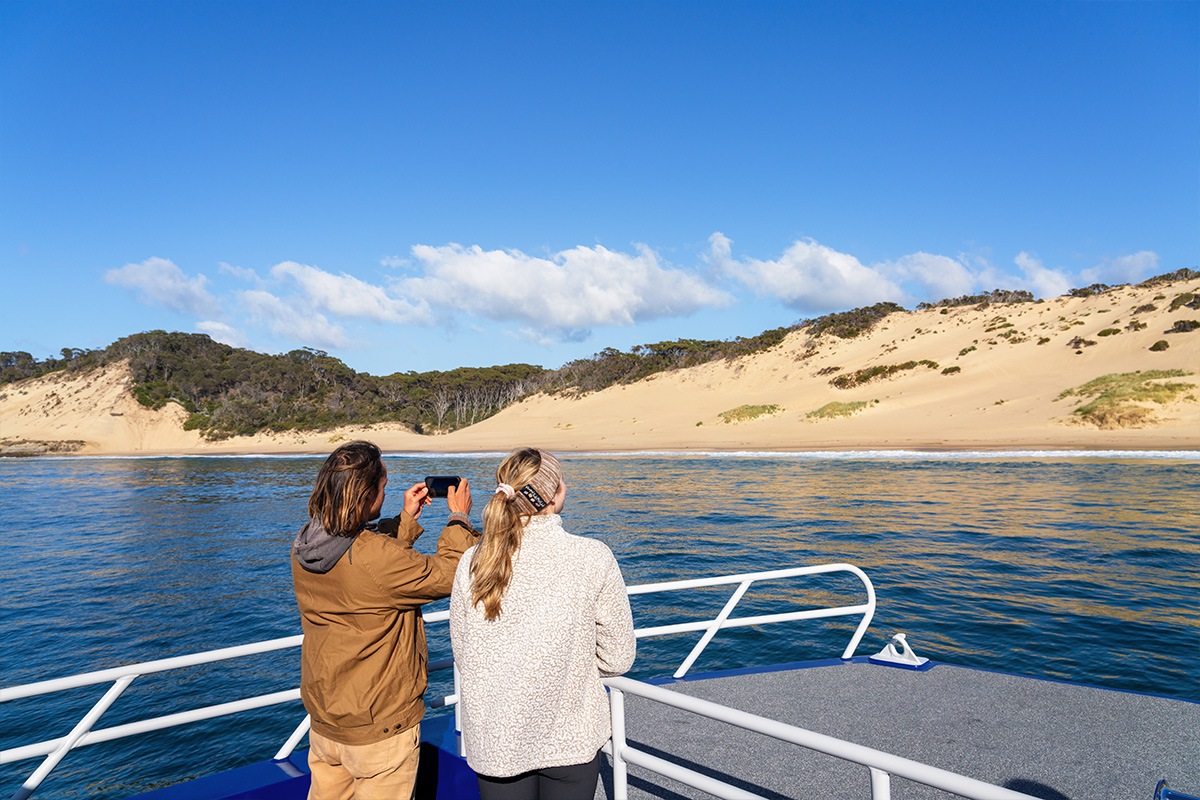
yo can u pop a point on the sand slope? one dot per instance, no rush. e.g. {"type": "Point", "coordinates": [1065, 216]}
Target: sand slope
{"type": "Point", "coordinates": [1005, 394]}
{"type": "Point", "coordinates": [96, 408]}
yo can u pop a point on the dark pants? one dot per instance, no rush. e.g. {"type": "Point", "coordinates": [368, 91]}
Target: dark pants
{"type": "Point", "coordinates": [576, 782]}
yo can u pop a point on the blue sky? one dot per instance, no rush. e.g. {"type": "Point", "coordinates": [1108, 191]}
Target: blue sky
{"type": "Point", "coordinates": [425, 186]}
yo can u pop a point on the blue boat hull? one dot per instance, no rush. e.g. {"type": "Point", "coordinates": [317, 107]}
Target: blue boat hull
{"type": "Point", "coordinates": [442, 775]}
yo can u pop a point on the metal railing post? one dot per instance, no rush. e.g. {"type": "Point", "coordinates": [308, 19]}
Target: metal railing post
{"type": "Point", "coordinates": [616, 700]}
{"type": "Point", "coordinates": [294, 739]}
{"type": "Point", "coordinates": [83, 726]}
{"type": "Point", "coordinates": [868, 614]}
{"type": "Point", "coordinates": [457, 693]}
{"type": "Point", "coordinates": [881, 785]}
{"type": "Point", "coordinates": [458, 738]}
{"type": "Point", "coordinates": [713, 628]}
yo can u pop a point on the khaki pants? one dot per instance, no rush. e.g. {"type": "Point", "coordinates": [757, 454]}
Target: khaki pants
{"type": "Point", "coordinates": [384, 770]}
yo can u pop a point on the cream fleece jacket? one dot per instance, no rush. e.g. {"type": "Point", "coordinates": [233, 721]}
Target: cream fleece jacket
{"type": "Point", "coordinates": [531, 695]}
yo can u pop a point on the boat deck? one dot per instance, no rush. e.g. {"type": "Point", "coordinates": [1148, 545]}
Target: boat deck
{"type": "Point", "coordinates": [1052, 740]}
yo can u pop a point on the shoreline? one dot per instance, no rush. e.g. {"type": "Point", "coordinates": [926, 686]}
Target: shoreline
{"type": "Point", "coordinates": [950, 453]}
{"type": "Point", "coordinates": [1070, 374]}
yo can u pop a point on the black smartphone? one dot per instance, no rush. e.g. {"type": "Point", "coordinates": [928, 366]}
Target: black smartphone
{"type": "Point", "coordinates": [439, 485]}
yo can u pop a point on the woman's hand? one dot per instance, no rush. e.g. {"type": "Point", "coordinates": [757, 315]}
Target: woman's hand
{"type": "Point", "coordinates": [458, 499]}
{"type": "Point", "coordinates": [415, 499]}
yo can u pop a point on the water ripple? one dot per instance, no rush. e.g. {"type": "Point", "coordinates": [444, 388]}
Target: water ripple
{"type": "Point", "coordinates": [1075, 566]}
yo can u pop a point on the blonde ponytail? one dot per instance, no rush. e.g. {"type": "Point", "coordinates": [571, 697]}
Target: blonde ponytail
{"type": "Point", "coordinates": [504, 518]}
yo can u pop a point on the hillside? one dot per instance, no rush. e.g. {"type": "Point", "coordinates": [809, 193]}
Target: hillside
{"type": "Point", "coordinates": [976, 375]}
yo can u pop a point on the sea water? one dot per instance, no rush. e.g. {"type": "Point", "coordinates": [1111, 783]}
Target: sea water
{"type": "Point", "coordinates": [1070, 566]}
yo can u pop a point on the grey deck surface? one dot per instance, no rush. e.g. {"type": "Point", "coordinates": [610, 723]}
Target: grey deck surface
{"type": "Point", "coordinates": [1051, 740]}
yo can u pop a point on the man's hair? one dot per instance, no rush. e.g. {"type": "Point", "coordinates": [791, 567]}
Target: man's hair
{"type": "Point", "coordinates": [347, 481]}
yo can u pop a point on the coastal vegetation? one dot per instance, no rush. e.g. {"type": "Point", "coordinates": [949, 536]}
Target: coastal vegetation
{"type": "Point", "coordinates": [1119, 399]}
{"type": "Point", "coordinates": [1183, 274]}
{"type": "Point", "coordinates": [836, 409]}
{"type": "Point", "coordinates": [19, 448]}
{"type": "Point", "coordinates": [985, 300]}
{"type": "Point", "coordinates": [1184, 300]}
{"type": "Point", "coordinates": [877, 372]}
{"type": "Point", "coordinates": [229, 391]}
{"type": "Point", "coordinates": [746, 413]}
{"type": "Point", "coordinates": [848, 324]}
{"type": "Point", "coordinates": [611, 367]}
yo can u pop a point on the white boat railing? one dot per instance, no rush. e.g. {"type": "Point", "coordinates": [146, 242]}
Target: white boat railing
{"type": "Point", "coordinates": [881, 765]}
{"type": "Point", "coordinates": [122, 677]}
{"type": "Point", "coordinates": [723, 620]}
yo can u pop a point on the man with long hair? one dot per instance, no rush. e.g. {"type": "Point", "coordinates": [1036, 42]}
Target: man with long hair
{"type": "Point", "coordinates": [360, 586]}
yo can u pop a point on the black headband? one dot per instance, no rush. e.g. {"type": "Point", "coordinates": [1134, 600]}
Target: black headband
{"type": "Point", "coordinates": [535, 499]}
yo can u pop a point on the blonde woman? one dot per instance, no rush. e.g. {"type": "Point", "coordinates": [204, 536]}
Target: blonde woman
{"type": "Point", "coordinates": [537, 617]}
{"type": "Point", "coordinates": [360, 587]}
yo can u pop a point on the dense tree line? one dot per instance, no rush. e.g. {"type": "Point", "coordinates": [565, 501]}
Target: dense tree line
{"type": "Point", "coordinates": [231, 391]}
{"type": "Point", "coordinates": [1183, 274]}
{"type": "Point", "coordinates": [20, 365]}
{"type": "Point", "coordinates": [848, 324]}
{"type": "Point", "coordinates": [987, 298]}
{"type": "Point", "coordinates": [611, 367]}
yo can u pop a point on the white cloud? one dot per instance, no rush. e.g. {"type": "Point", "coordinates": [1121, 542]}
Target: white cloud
{"type": "Point", "coordinates": [301, 324]}
{"type": "Point", "coordinates": [395, 262]}
{"type": "Point", "coordinates": [159, 282]}
{"type": "Point", "coordinates": [533, 336]}
{"type": "Point", "coordinates": [242, 273]}
{"type": "Point", "coordinates": [1123, 269]}
{"type": "Point", "coordinates": [1042, 281]}
{"type": "Point", "coordinates": [813, 277]}
{"type": "Point", "coordinates": [566, 292]}
{"type": "Point", "coordinates": [939, 276]}
{"type": "Point", "coordinates": [808, 276]}
{"type": "Point", "coordinates": [988, 276]}
{"type": "Point", "coordinates": [225, 334]}
{"type": "Point", "coordinates": [346, 296]}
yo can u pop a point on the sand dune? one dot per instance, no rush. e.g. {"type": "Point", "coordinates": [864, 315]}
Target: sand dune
{"type": "Point", "coordinates": [1014, 363]}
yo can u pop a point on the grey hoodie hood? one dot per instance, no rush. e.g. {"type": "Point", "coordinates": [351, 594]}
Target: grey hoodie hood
{"type": "Point", "coordinates": [317, 550]}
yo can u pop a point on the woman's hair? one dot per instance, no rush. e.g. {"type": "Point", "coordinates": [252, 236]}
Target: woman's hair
{"type": "Point", "coordinates": [533, 476]}
{"type": "Point", "coordinates": [348, 479]}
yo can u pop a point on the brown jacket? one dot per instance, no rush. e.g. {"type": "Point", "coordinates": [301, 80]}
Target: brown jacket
{"type": "Point", "coordinates": [363, 661]}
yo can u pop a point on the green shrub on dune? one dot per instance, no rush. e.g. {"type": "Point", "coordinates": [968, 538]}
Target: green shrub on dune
{"type": "Point", "coordinates": [878, 372]}
{"type": "Point", "coordinates": [746, 413]}
{"type": "Point", "coordinates": [1185, 300]}
{"type": "Point", "coordinates": [848, 324]}
{"type": "Point", "coordinates": [1117, 396]}
{"type": "Point", "coordinates": [836, 409]}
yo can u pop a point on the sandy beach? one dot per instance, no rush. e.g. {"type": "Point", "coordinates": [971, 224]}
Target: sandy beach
{"type": "Point", "coordinates": [1015, 362]}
